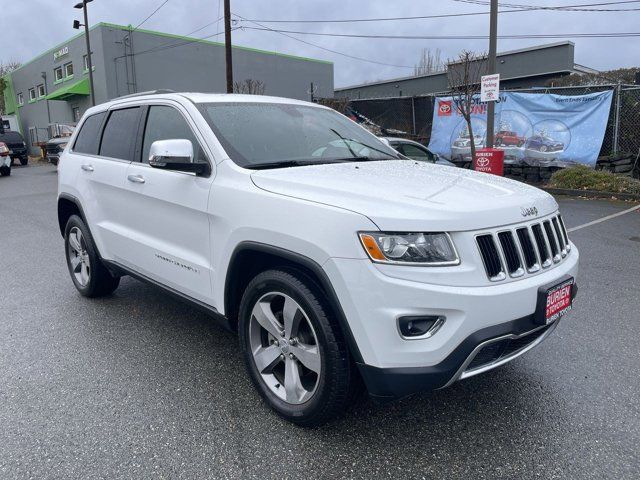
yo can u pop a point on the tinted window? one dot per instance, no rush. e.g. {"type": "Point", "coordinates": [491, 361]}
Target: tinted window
{"type": "Point", "coordinates": [166, 123]}
{"type": "Point", "coordinates": [89, 136]}
{"type": "Point", "coordinates": [119, 137]}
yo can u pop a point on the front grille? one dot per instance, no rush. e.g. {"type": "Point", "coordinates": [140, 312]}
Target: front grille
{"type": "Point", "coordinates": [501, 349]}
{"type": "Point", "coordinates": [490, 255]}
{"type": "Point", "coordinates": [524, 249]}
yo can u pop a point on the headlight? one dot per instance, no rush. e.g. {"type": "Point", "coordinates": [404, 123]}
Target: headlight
{"type": "Point", "coordinates": [434, 249]}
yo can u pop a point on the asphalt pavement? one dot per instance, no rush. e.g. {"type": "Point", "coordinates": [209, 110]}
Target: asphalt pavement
{"type": "Point", "coordinates": [139, 385]}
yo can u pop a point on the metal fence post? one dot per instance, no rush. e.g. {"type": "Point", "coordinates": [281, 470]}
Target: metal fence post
{"type": "Point", "coordinates": [616, 125]}
{"type": "Point", "coordinates": [413, 114]}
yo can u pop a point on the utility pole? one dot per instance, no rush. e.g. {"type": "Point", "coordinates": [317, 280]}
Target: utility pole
{"type": "Point", "coordinates": [491, 66]}
{"type": "Point", "coordinates": [83, 5]}
{"type": "Point", "coordinates": [227, 44]}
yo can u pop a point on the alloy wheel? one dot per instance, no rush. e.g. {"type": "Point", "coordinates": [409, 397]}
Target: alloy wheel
{"type": "Point", "coordinates": [285, 348]}
{"type": "Point", "coordinates": [79, 257]}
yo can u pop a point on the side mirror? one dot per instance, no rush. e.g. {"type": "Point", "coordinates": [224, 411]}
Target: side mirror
{"type": "Point", "coordinates": [177, 155]}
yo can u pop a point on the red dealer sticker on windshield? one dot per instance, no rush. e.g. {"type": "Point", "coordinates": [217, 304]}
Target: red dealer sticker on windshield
{"type": "Point", "coordinates": [558, 301]}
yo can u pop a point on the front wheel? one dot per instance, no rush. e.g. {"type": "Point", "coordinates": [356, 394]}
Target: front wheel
{"type": "Point", "coordinates": [89, 275]}
{"type": "Point", "coordinates": [5, 171]}
{"type": "Point", "coordinates": [294, 351]}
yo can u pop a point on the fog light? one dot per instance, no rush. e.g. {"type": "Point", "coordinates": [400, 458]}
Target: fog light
{"type": "Point", "coordinates": [419, 326]}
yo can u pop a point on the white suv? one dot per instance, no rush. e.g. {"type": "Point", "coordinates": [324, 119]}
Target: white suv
{"type": "Point", "coordinates": [336, 259]}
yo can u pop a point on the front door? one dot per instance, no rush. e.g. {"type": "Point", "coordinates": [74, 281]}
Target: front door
{"type": "Point", "coordinates": [167, 214]}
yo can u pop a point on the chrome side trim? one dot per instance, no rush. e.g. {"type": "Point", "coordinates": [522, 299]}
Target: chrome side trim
{"type": "Point", "coordinates": [462, 373]}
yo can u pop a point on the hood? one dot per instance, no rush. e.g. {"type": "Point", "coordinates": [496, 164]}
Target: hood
{"type": "Point", "coordinates": [58, 140]}
{"type": "Point", "coordinates": [406, 195]}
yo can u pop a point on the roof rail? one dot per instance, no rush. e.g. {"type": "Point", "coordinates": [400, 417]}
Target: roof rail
{"type": "Point", "coordinates": [148, 92]}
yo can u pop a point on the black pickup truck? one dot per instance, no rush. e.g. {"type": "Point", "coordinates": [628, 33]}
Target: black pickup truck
{"type": "Point", "coordinates": [17, 147]}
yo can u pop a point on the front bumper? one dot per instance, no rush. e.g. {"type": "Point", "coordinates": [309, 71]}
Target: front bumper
{"type": "Point", "coordinates": [393, 366]}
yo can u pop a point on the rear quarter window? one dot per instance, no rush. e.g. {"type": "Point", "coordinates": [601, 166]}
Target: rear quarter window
{"type": "Point", "coordinates": [88, 138]}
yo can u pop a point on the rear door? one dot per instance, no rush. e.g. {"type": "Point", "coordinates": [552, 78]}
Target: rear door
{"type": "Point", "coordinates": [103, 150]}
{"type": "Point", "coordinates": [167, 210]}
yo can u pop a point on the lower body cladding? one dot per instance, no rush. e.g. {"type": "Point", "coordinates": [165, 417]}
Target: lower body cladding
{"type": "Point", "coordinates": [464, 331]}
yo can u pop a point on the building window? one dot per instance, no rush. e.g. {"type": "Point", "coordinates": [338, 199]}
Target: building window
{"type": "Point", "coordinates": [68, 70]}
{"type": "Point", "coordinates": [20, 99]}
{"type": "Point", "coordinates": [58, 75]}
{"type": "Point", "coordinates": [32, 95]}
{"type": "Point", "coordinates": [41, 92]}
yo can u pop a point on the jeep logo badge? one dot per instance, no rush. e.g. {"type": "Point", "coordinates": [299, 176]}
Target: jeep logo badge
{"type": "Point", "coordinates": [529, 211]}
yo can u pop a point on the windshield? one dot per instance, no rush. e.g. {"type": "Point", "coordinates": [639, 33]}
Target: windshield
{"type": "Point", "coordinates": [264, 134]}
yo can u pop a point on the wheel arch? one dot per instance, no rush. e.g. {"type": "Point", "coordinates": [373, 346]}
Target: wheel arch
{"type": "Point", "coordinates": [68, 205]}
{"type": "Point", "coordinates": [250, 258]}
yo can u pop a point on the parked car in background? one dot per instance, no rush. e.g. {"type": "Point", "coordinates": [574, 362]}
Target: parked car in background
{"type": "Point", "coordinates": [55, 145]}
{"type": "Point", "coordinates": [461, 147]}
{"type": "Point", "coordinates": [5, 160]}
{"type": "Point", "coordinates": [508, 138]}
{"type": "Point", "coordinates": [542, 143]}
{"type": "Point", "coordinates": [17, 147]}
{"type": "Point", "coordinates": [415, 151]}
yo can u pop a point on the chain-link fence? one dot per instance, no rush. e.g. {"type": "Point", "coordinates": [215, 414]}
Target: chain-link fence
{"type": "Point", "coordinates": [412, 116]}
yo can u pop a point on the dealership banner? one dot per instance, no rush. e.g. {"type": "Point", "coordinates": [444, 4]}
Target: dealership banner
{"type": "Point", "coordinates": [532, 128]}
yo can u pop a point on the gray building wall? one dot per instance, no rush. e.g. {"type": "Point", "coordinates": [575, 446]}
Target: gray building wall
{"type": "Point", "coordinates": [194, 66]}
{"type": "Point", "coordinates": [524, 68]}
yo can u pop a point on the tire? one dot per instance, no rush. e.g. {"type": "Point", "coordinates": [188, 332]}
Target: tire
{"type": "Point", "coordinates": [5, 171]}
{"type": "Point", "coordinates": [89, 275]}
{"type": "Point", "coordinates": [24, 161]}
{"type": "Point", "coordinates": [317, 394]}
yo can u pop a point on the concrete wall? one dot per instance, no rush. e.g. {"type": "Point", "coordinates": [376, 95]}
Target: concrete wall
{"type": "Point", "coordinates": [200, 66]}
{"type": "Point", "coordinates": [524, 68]}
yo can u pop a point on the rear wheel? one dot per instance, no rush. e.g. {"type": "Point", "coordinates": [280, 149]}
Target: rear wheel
{"type": "Point", "coordinates": [5, 171]}
{"type": "Point", "coordinates": [24, 161]}
{"type": "Point", "coordinates": [89, 275]}
{"type": "Point", "coordinates": [295, 354]}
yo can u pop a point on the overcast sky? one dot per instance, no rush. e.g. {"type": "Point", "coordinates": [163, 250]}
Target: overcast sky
{"type": "Point", "coordinates": [30, 27]}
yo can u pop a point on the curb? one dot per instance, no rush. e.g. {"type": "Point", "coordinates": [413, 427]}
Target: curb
{"type": "Point", "coordinates": [591, 193]}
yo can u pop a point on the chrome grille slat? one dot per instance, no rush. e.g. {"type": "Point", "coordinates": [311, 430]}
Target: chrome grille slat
{"type": "Point", "coordinates": [523, 249]}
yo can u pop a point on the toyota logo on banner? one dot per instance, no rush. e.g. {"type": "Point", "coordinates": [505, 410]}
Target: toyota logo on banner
{"type": "Point", "coordinates": [482, 162]}
{"type": "Point", "coordinates": [444, 108]}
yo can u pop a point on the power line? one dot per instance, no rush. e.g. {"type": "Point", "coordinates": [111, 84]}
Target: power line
{"type": "Point", "coordinates": [265, 28]}
{"type": "Point", "coordinates": [451, 37]}
{"type": "Point", "coordinates": [445, 15]}
{"type": "Point", "coordinates": [152, 14]}
{"type": "Point", "coordinates": [565, 8]}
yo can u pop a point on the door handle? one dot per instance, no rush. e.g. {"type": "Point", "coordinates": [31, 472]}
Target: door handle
{"type": "Point", "coordinates": [87, 168]}
{"type": "Point", "coordinates": [135, 178]}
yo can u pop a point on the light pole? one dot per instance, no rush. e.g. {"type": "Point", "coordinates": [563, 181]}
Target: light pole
{"type": "Point", "coordinates": [46, 93]}
{"type": "Point", "coordinates": [76, 24]}
{"type": "Point", "coordinates": [491, 66]}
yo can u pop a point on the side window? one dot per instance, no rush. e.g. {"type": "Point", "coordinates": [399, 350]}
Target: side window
{"type": "Point", "coordinates": [120, 133]}
{"type": "Point", "coordinates": [89, 136]}
{"type": "Point", "coordinates": [414, 152]}
{"type": "Point", "coordinates": [166, 123]}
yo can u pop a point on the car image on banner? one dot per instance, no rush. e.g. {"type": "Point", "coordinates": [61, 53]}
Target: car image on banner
{"type": "Point", "coordinates": [531, 128]}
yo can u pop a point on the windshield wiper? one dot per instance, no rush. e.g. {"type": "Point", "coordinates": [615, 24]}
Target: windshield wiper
{"type": "Point", "coordinates": [356, 156]}
{"type": "Point", "coordinates": [283, 164]}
